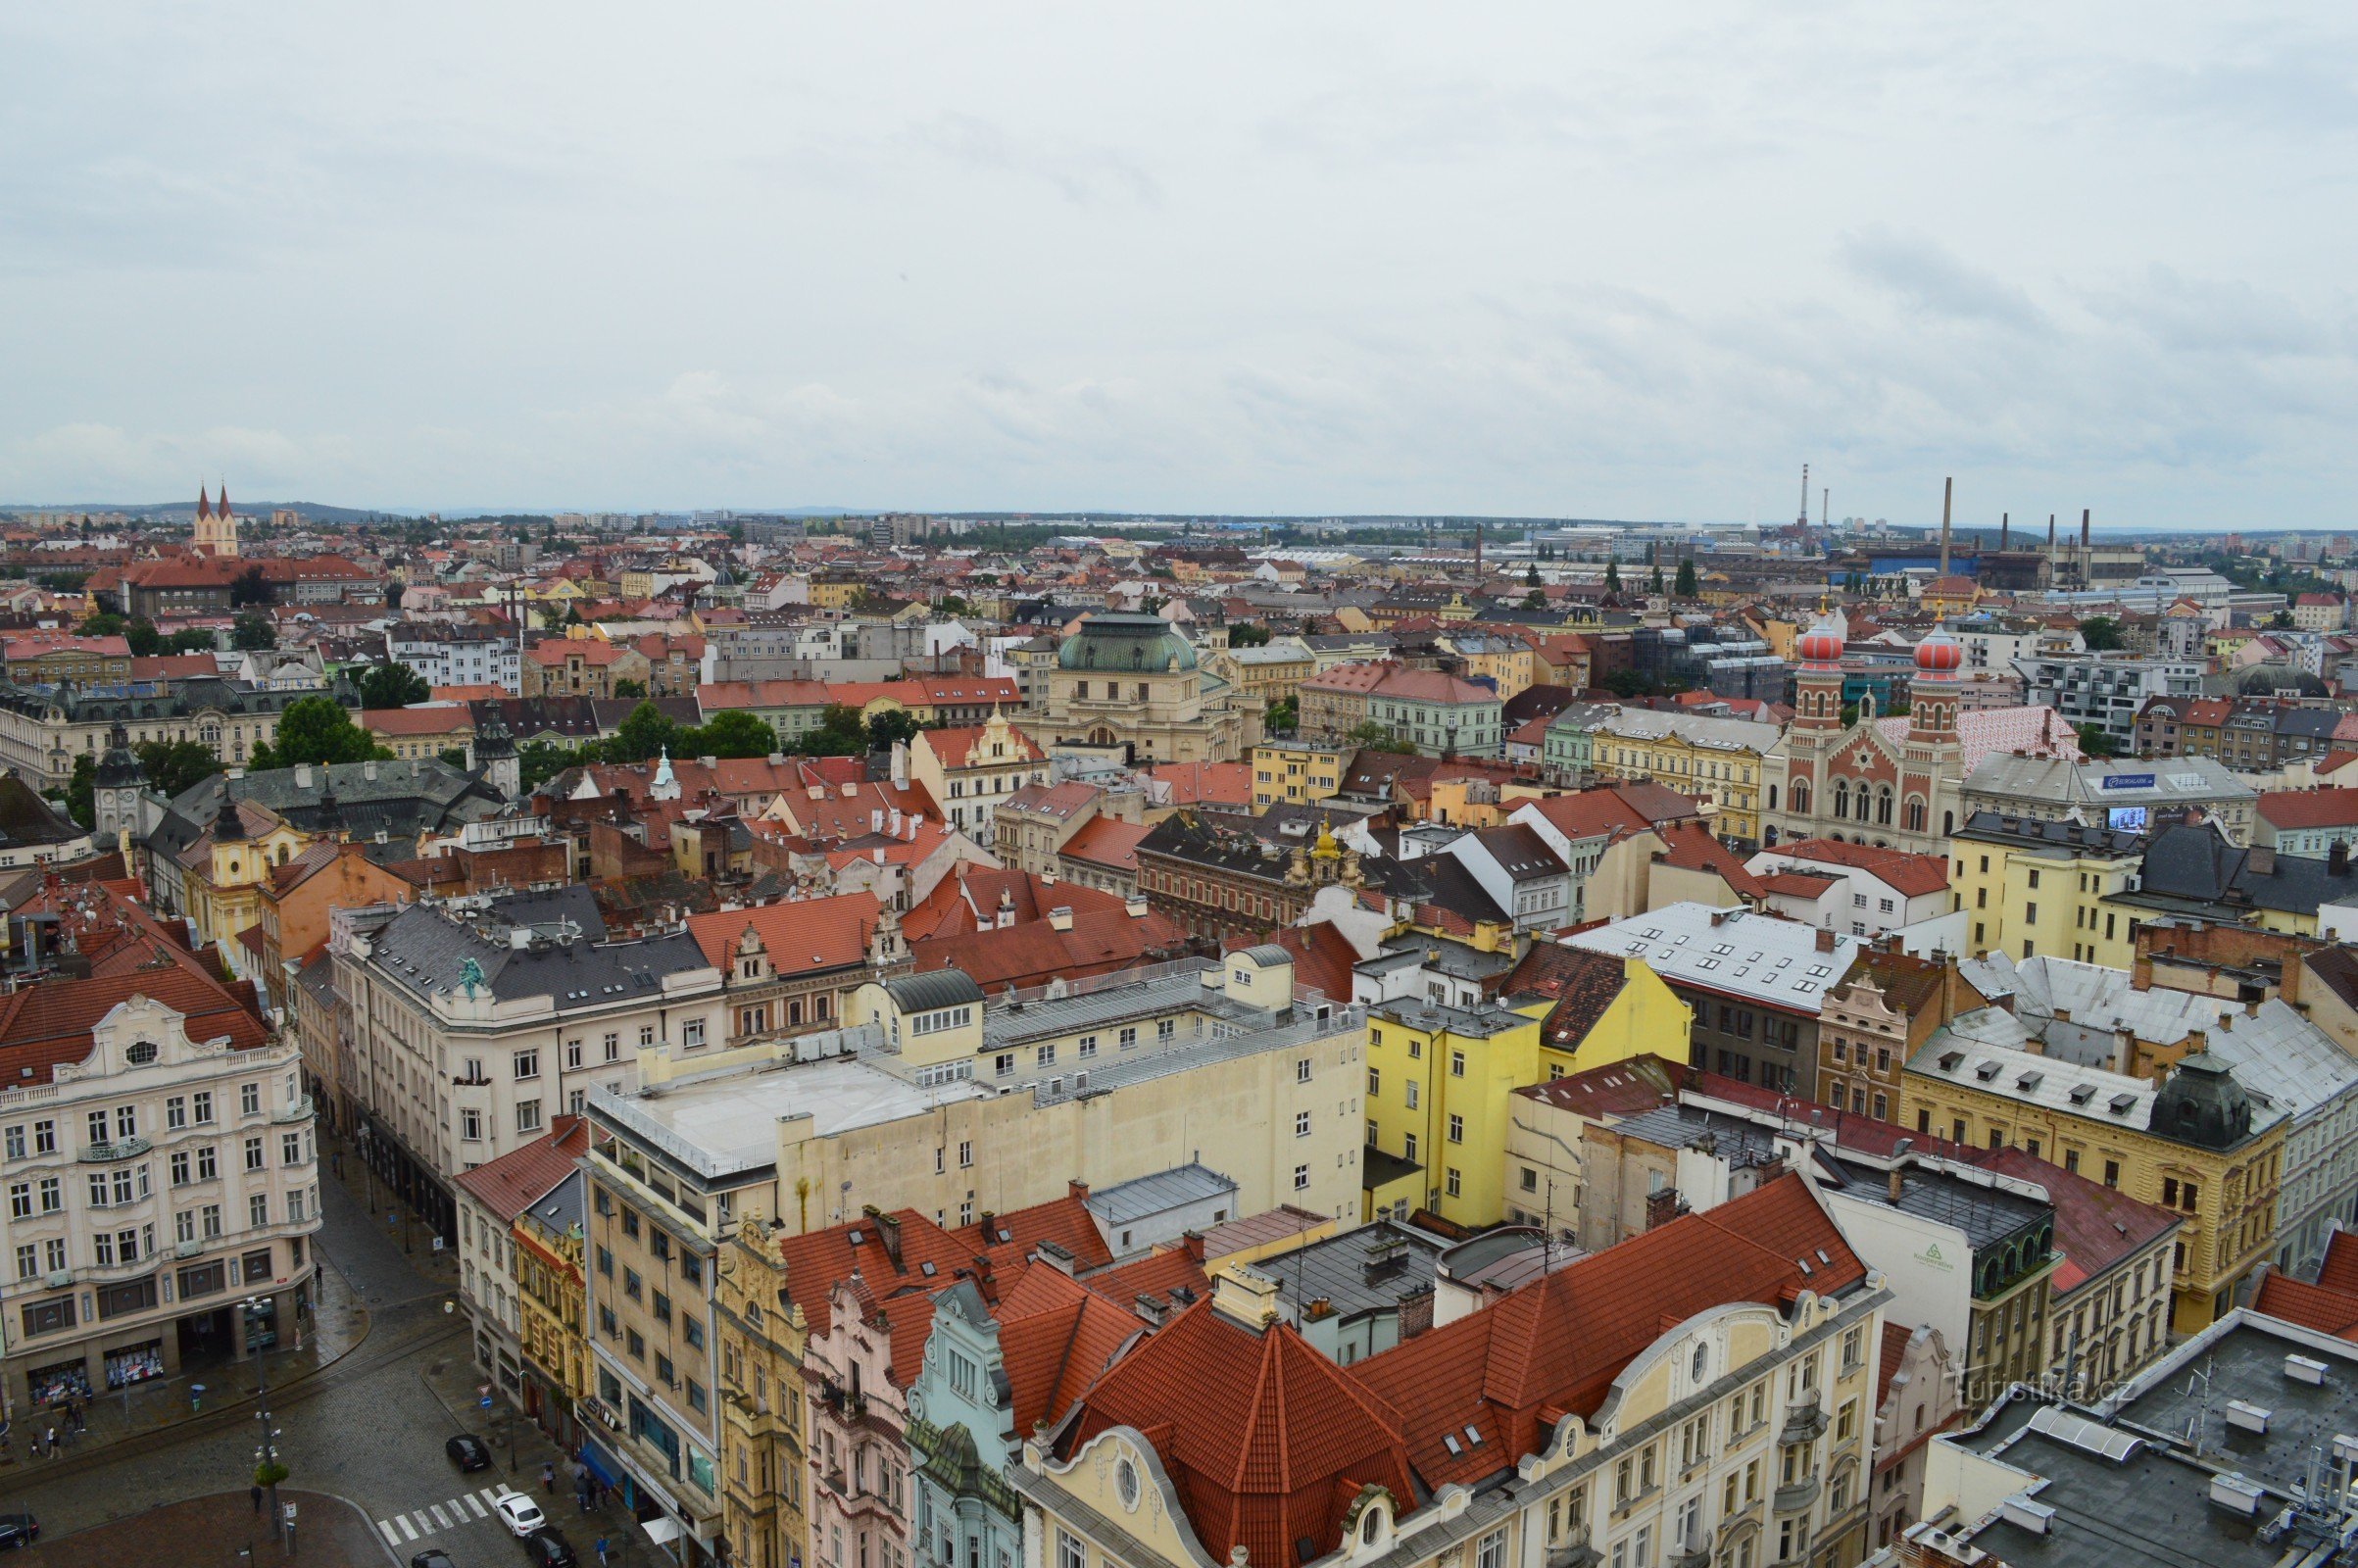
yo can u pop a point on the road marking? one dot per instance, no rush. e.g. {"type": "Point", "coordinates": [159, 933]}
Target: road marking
{"type": "Point", "coordinates": [403, 1520]}
{"type": "Point", "coordinates": [493, 1495]}
{"type": "Point", "coordinates": [471, 1502]}
{"type": "Point", "coordinates": [392, 1539]}
{"type": "Point", "coordinates": [441, 1520]}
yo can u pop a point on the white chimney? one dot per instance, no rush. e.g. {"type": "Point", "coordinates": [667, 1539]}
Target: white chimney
{"type": "Point", "coordinates": [303, 775]}
{"type": "Point", "coordinates": [896, 819]}
{"type": "Point", "coordinates": [876, 820]}
{"type": "Point", "coordinates": [1135, 908]}
{"type": "Point", "coordinates": [1059, 918]}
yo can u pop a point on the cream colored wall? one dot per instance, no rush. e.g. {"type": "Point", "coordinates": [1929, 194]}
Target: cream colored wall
{"type": "Point", "coordinates": [1237, 1114]}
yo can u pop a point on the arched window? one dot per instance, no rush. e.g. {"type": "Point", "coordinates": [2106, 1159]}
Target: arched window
{"type": "Point", "coordinates": [1842, 798]}
{"type": "Point", "coordinates": [1883, 806]}
{"type": "Point", "coordinates": [1915, 814]}
{"type": "Point", "coordinates": [1772, 797]}
{"type": "Point", "coordinates": [1800, 795]}
{"type": "Point", "coordinates": [1948, 824]}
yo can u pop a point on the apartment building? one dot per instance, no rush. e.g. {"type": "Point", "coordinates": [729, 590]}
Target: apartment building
{"type": "Point", "coordinates": [1728, 1421]}
{"type": "Point", "coordinates": [971, 771]}
{"type": "Point", "coordinates": [495, 1201]}
{"type": "Point", "coordinates": [2027, 886]}
{"type": "Point", "coordinates": [456, 653]}
{"type": "Point", "coordinates": [2201, 1143]}
{"type": "Point", "coordinates": [1297, 772]}
{"type": "Point", "coordinates": [157, 1149]}
{"type": "Point", "coordinates": [478, 1021]}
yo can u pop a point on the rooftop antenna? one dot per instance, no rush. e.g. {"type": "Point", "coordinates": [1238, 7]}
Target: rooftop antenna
{"type": "Point", "coordinates": [2198, 1424]}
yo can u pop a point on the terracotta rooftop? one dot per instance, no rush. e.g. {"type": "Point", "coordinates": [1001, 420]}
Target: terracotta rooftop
{"type": "Point", "coordinates": [520, 1178]}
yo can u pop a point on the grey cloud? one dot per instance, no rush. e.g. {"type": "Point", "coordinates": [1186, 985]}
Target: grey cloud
{"type": "Point", "coordinates": [1925, 275]}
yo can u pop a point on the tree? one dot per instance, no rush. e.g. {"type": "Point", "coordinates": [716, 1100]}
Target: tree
{"type": "Point", "coordinates": [839, 733]}
{"type": "Point", "coordinates": [1374, 737]}
{"type": "Point", "coordinates": [391, 685]}
{"type": "Point", "coordinates": [2095, 742]}
{"type": "Point", "coordinates": [1534, 599]}
{"type": "Point", "coordinates": [1531, 576]}
{"type": "Point", "coordinates": [173, 766]}
{"type": "Point", "coordinates": [733, 733]}
{"type": "Point", "coordinates": [954, 604]}
{"type": "Point", "coordinates": [643, 733]}
{"type": "Point", "coordinates": [143, 638]}
{"type": "Point", "coordinates": [82, 797]}
{"type": "Point", "coordinates": [1282, 716]}
{"type": "Point", "coordinates": [315, 729]}
{"type": "Point", "coordinates": [106, 623]}
{"type": "Point", "coordinates": [890, 726]}
{"type": "Point", "coordinates": [2100, 634]}
{"type": "Point", "coordinates": [1653, 580]}
{"type": "Point", "coordinates": [455, 756]}
{"type": "Point", "coordinates": [1613, 576]}
{"type": "Point", "coordinates": [538, 761]}
{"type": "Point", "coordinates": [195, 640]}
{"type": "Point", "coordinates": [250, 633]}
{"type": "Point", "coordinates": [630, 688]}
{"type": "Point", "coordinates": [249, 588]}
{"type": "Point", "coordinates": [1247, 634]}
{"type": "Point", "coordinates": [1686, 587]}
{"type": "Point", "coordinates": [552, 613]}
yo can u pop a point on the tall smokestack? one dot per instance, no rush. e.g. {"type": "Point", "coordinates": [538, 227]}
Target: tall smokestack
{"type": "Point", "coordinates": [1477, 553]}
{"type": "Point", "coordinates": [2084, 531]}
{"type": "Point", "coordinates": [1804, 517]}
{"type": "Point", "coordinates": [1948, 490]}
{"type": "Point", "coordinates": [2005, 520]}
{"type": "Point", "coordinates": [1825, 499]}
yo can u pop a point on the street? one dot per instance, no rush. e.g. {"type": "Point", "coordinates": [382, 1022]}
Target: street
{"type": "Point", "coordinates": [368, 1427]}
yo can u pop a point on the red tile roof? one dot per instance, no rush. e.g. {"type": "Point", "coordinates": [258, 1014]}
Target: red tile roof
{"type": "Point", "coordinates": [811, 934]}
{"type": "Point", "coordinates": [2312, 1306]}
{"type": "Point", "coordinates": [1689, 846]}
{"type": "Point", "coordinates": [1195, 783]}
{"type": "Point", "coordinates": [1910, 875]}
{"type": "Point", "coordinates": [520, 1178]}
{"type": "Point", "coordinates": [1109, 842]}
{"type": "Point", "coordinates": [2298, 808]}
{"type": "Point", "coordinates": [1265, 1439]}
{"type": "Point", "coordinates": [1032, 953]}
{"type": "Point", "coordinates": [449, 719]}
{"type": "Point", "coordinates": [1559, 1343]}
{"type": "Point", "coordinates": [2340, 1269]}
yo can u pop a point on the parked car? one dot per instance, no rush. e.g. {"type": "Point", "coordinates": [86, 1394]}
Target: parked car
{"type": "Point", "coordinates": [520, 1513]}
{"type": "Point", "coordinates": [432, 1559]}
{"type": "Point", "coordinates": [550, 1550]}
{"type": "Point", "coordinates": [17, 1530]}
{"type": "Point", "coordinates": [468, 1451]}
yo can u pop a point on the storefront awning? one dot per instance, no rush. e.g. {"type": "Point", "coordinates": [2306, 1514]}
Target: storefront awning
{"type": "Point", "coordinates": [660, 1530]}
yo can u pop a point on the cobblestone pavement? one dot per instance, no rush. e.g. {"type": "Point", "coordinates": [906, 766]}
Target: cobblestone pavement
{"type": "Point", "coordinates": [221, 1530]}
{"type": "Point", "coordinates": [368, 1427]}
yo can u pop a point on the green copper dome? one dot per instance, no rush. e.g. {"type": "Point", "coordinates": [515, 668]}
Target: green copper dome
{"type": "Point", "coordinates": [1124, 643]}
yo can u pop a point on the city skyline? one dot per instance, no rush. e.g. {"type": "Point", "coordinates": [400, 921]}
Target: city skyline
{"type": "Point", "coordinates": [1329, 263]}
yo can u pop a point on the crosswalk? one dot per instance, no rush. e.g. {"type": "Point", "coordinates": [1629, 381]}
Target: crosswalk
{"type": "Point", "coordinates": [464, 1509]}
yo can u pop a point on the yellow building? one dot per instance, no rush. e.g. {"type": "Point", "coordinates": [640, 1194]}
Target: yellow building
{"type": "Point", "coordinates": [1269, 673]}
{"type": "Point", "coordinates": [2039, 889]}
{"type": "Point", "coordinates": [1440, 1079]}
{"type": "Point", "coordinates": [222, 872]}
{"type": "Point", "coordinates": [1505, 661]}
{"type": "Point", "coordinates": [1714, 760]}
{"type": "Point", "coordinates": [1296, 773]}
{"type": "Point", "coordinates": [549, 1297]}
{"type": "Point", "coordinates": [2199, 1145]}
{"type": "Point", "coordinates": [761, 1449]}
{"type": "Point", "coordinates": [831, 591]}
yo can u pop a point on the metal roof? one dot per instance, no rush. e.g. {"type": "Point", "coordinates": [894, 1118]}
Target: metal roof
{"type": "Point", "coordinates": [1165, 1190]}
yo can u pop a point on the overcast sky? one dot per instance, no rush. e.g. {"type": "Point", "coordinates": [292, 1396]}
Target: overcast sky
{"type": "Point", "coordinates": [1625, 261]}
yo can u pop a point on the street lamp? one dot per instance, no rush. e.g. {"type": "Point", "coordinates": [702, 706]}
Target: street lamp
{"type": "Point", "coordinates": [250, 1312]}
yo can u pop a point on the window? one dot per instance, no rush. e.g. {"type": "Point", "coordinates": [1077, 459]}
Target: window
{"type": "Point", "coordinates": [470, 1124]}
{"type": "Point", "coordinates": [1302, 1070]}
{"type": "Point", "coordinates": [1456, 1128]}
{"type": "Point", "coordinates": [1302, 1178]}
{"type": "Point", "coordinates": [254, 1159]}
{"type": "Point", "coordinates": [20, 1201]}
{"type": "Point", "coordinates": [249, 1100]}
{"type": "Point", "coordinates": [1456, 1063]}
{"type": "Point", "coordinates": [257, 1209]}
{"type": "Point", "coordinates": [691, 1033]}
{"type": "Point", "coordinates": [1302, 1124]}
{"type": "Point", "coordinates": [180, 1167]}
{"type": "Point", "coordinates": [1453, 1182]}
{"type": "Point", "coordinates": [572, 1053]}
{"type": "Point", "coordinates": [45, 1136]}
{"type": "Point", "coordinates": [527, 1063]}
{"type": "Point", "coordinates": [200, 1106]}
{"type": "Point", "coordinates": [527, 1115]}
{"type": "Point", "coordinates": [1375, 1082]}
{"type": "Point", "coordinates": [176, 1112]}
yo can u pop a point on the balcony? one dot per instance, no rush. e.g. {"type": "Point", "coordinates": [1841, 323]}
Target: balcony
{"type": "Point", "coordinates": [1688, 1558]}
{"type": "Point", "coordinates": [1795, 1497]}
{"type": "Point", "coordinates": [120, 1148]}
{"type": "Point", "coordinates": [300, 1110]}
{"type": "Point", "coordinates": [1803, 1423]}
{"type": "Point", "coordinates": [1575, 1553]}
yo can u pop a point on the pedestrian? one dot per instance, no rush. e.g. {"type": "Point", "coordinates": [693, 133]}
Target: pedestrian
{"type": "Point", "coordinates": [255, 1495]}
{"type": "Point", "coordinates": [548, 1478]}
{"type": "Point", "coordinates": [601, 1552]}
{"type": "Point", "coordinates": [53, 1440]}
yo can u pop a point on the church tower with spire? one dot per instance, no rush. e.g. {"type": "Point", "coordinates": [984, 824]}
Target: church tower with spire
{"type": "Point", "coordinates": [216, 526]}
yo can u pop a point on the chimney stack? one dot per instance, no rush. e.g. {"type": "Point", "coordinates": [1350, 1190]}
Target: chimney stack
{"type": "Point", "coordinates": [2005, 521]}
{"type": "Point", "coordinates": [1948, 490]}
{"type": "Point", "coordinates": [2084, 511]}
{"type": "Point", "coordinates": [1892, 1190]}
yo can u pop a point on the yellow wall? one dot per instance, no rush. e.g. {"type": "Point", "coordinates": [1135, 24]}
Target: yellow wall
{"type": "Point", "coordinates": [1296, 774]}
{"type": "Point", "coordinates": [2029, 904]}
{"type": "Point", "coordinates": [2229, 1231]}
